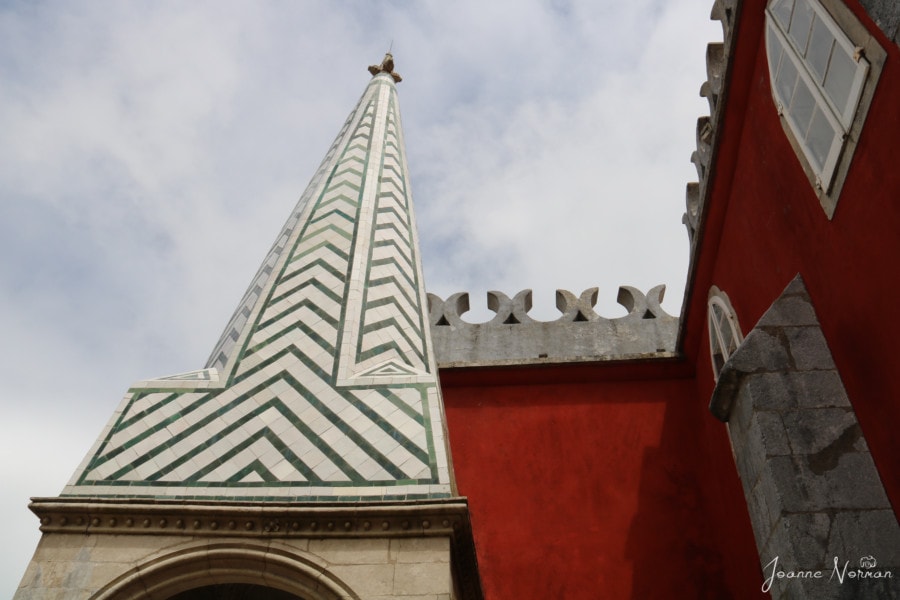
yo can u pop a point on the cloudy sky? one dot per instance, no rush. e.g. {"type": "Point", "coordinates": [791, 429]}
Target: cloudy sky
{"type": "Point", "coordinates": [150, 151]}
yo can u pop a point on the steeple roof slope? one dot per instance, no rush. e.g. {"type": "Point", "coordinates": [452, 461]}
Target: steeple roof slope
{"type": "Point", "coordinates": [324, 384]}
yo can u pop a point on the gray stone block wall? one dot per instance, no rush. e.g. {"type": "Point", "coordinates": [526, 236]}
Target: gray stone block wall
{"type": "Point", "coordinates": [102, 549]}
{"type": "Point", "coordinates": [823, 524]}
{"type": "Point", "coordinates": [73, 567]}
{"type": "Point", "coordinates": [886, 14]}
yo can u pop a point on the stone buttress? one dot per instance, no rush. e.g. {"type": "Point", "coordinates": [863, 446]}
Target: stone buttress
{"type": "Point", "coordinates": [317, 421]}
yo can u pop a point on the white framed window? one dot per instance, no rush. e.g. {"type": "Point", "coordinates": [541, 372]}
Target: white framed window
{"type": "Point", "coordinates": [822, 73]}
{"type": "Point", "coordinates": [724, 332]}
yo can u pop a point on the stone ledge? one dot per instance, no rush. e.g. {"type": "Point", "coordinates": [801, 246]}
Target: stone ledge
{"type": "Point", "coordinates": [235, 519]}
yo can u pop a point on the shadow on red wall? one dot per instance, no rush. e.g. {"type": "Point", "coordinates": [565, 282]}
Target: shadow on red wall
{"type": "Point", "coordinates": [599, 489]}
{"type": "Point", "coordinates": [688, 519]}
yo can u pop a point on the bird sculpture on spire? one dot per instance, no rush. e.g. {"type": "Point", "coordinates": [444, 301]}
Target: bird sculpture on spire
{"type": "Point", "coordinates": [386, 66]}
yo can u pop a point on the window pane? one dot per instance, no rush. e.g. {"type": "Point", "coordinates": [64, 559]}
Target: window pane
{"type": "Point", "coordinates": [724, 334]}
{"type": "Point", "coordinates": [726, 339]}
{"type": "Point", "coordinates": [817, 81]}
{"type": "Point", "coordinates": [800, 24]}
{"type": "Point", "coordinates": [718, 362]}
{"type": "Point", "coordinates": [802, 107]}
{"type": "Point", "coordinates": [782, 11]}
{"type": "Point", "coordinates": [839, 79]}
{"type": "Point", "coordinates": [774, 48]}
{"type": "Point", "coordinates": [785, 80]}
{"type": "Point", "coordinates": [819, 51]}
{"type": "Point", "coordinates": [820, 139]}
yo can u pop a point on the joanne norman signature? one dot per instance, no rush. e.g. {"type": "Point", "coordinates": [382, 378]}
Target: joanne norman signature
{"type": "Point", "coordinates": [866, 570]}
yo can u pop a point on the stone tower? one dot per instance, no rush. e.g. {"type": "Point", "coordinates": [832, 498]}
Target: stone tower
{"type": "Point", "coordinates": [309, 458]}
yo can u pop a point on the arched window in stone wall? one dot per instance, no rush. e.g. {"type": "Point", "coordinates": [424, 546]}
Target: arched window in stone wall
{"type": "Point", "coordinates": [724, 332]}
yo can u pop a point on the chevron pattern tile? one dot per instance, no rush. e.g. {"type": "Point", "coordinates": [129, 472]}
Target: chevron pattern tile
{"type": "Point", "coordinates": [323, 385]}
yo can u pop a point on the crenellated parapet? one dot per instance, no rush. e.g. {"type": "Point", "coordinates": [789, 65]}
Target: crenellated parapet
{"type": "Point", "coordinates": [579, 334]}
{"type": "Point", "coordinates": [717, 61]}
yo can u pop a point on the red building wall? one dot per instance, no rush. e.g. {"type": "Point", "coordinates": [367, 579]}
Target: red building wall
{"type": "Point", "coordinates": [603, 488]}
{"type": "Point", "coordinates": [765, 225]}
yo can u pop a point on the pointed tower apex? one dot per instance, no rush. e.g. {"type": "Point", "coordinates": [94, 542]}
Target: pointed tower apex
{"type": "Point", "coordinates": [386, 66]}
{"type": "Point", "coordinates": [323, 386]}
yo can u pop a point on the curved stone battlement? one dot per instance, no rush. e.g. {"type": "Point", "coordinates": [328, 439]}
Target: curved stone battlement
{"type": "Point", "coordinates": [579, 334]}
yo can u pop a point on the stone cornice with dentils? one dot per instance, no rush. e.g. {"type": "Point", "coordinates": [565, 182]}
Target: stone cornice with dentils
{"type": "Point", "coordinates": [167, 517]}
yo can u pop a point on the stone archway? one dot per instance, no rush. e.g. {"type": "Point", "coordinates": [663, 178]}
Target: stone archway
{"type": "Point", "coordinates": [234, 591]}
{"type": "Point", "coordinates": [188, 573]}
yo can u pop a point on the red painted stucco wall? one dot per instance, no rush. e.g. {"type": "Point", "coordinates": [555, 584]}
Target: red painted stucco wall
{"type": "Point", "coordinates": [599, 489]}
{"type": "Point", "coordinates": [765, 225]}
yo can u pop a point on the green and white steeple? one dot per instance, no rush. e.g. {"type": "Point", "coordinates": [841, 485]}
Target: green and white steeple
{"type": "Point", "coordinates": [324, 383]}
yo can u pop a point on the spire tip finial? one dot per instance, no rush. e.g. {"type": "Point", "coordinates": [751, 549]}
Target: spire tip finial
{"type": "Point", "coordinates": [386, 66]}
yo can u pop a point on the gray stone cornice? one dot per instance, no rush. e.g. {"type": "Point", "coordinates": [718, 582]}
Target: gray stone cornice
{"type": "Point", "coordinates": [149, 516]}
